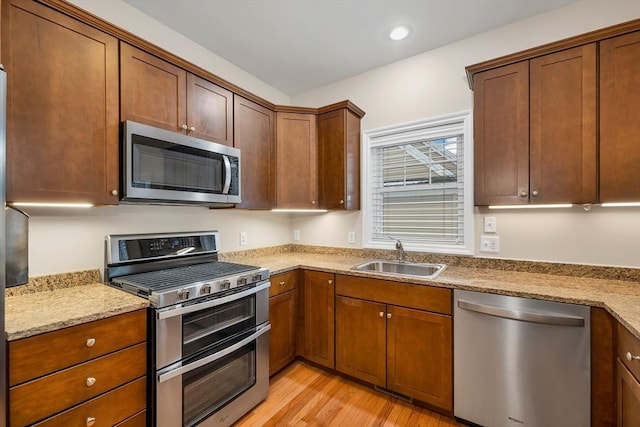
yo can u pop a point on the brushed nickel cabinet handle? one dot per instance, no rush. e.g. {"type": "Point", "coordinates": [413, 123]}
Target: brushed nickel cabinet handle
{"type": "Point", "coordinates": [342, 202]}
{"type": "Point", "coordinates": [631, 357]}
{"type": "Point", "coordinates": [90, 421]}
{"type": "Point", "coordinates": [282, 283]}
{"type": "Point", "coordinates": [91, 342]}
{"type": "Point", "coordinates": [114, 192]}
{"type": "Point", "coordinates": [523, 194]}
{"type": "Point", "coordinates": [91, 381]}
{"type": "Point", "coordinates": [381, 314]}
{"type": "Point", "coordinates": [534, 193]}
{"type": "Point", "coordinates": [388, 315]}
{"type": "Point", "coordinates": [185, 127]}
{"type": "Point", "coordinates": [192, 129]}
{"type": "Point", "coordinates": [330, 282]}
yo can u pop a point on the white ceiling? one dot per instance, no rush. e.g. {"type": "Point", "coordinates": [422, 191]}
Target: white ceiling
{"type": "Point", "coordinates": [298, 45]}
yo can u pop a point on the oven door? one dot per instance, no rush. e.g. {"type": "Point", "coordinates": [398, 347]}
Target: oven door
{"type": "Point", "coordinates": [190, 328]}
{"type": "Point", "coordinates": [217, 387]}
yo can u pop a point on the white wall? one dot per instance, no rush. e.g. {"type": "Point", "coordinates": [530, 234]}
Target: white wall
{"type": "Point", "coordinates": [434, 83]}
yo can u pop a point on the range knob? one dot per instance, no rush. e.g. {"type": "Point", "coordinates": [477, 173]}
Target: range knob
{"type": "Point", "coordinates": [183, 294]}
{"type": "Point", "coordinates": [242, 281]}
{"type": "Point", "coordinates": [205, 289]}
{"type": "Point", "coordinates": [257, 277]}
{"type": "Point", "coordinates": [224, 285]}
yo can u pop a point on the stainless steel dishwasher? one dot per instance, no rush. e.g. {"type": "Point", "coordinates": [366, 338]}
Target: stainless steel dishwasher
{"type": "Point", "coordinates": [521, 362]}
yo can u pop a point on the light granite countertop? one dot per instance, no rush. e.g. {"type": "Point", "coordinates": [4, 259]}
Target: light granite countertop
{"type": "Point", "coordinates": [28, 314]}
{"type": "Point", "coordinates": [52, 302]}
{"type": "Point", "coordinates": [621, 298]}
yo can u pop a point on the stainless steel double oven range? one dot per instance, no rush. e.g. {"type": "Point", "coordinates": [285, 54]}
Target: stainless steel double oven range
{"type": "Point", "coordinates": [208, 325]}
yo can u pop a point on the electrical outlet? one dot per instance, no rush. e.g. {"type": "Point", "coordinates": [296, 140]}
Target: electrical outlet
{"type": "Point", "coordinates": [351, 237]}
{"type": "Point", "coordinates": [243, 238]}
{"type": "Point", "coordinates": [490, 224]}
{"type": "Point", "coordinates": [296, 235]}
{"type": "Point", "coordinates": [489, 244]}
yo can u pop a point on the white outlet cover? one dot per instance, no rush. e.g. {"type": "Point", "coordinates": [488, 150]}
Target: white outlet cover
{"type": "Point", "coordinates": [296, 235]}
{"type": "Point", "coordinates": [351, 237]}
{"type": "Point", "coordinates": [243, 238]}
{"type": "Point", "coordinates": [489, 244]}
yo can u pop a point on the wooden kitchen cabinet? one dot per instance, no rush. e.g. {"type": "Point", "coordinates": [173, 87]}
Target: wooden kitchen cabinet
{"type": "Point", "coordinates": [619, 124]}
{"type": "Point", "coordinates": [386, 336]}
{"type": "Point", "coordinates": [317, 335]}
{"type": "Point", "coordinates": [101, 373]}
{"type": "Point", "coordinates": [627, 378]}
{"type": "Point", "coordinates": [296, 161]}
{"type": "Point", "coordinates": [535, 130]}
{"type": "Point", "coordinates": [62, 107]}
{"type": "Point", "coordinates": [283, 304]}
{"type": "Point", "coordinates": [339, 158]}
{"type": "Point", "coordinates": [158, 93]}
{"type": "Point", "coordinates": [254, 134]}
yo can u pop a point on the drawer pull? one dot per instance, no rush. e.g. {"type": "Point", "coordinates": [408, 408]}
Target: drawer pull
{"type": "Point", "coordinates": [282, 283]}
{"type": "Point", "coordinates": [90, 381]}
{"type": "Point", "coordinates": [631, 357]}
{"type": "Point", "coordinates": [90, 421]}
{"type": "Point", "coordinates": [91, 342]}
{"type": "Point", "coordinates": [381, 314]}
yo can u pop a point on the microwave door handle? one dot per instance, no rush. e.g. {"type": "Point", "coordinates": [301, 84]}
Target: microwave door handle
{"type": "Point", "coordinates": [218, 301]}
{"type": "Point", "coordinates": [213, 357]}
{"type": "Point", "coordinates": [227, 174]}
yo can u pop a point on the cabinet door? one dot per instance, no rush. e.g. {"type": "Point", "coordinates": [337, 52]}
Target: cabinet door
{"type": "Point", "coordinates": [361, 339]}
{"type": "Point", "coordinates": [419, 352]}
{"type": "Point", "coordinates": [209, 110]}
{"type": "Point", "coordinates": [619, 121]}
{"type": "Point", "coordinates": [628, 399]}
{"type": "Point", "coordinates": [282, 337]}
{"type": "Point", "coordinates": [62, 107]}
{"type": "Point", "coordinates": [563, 127]}
{"type": "Point", "coordinates": [501, 135]}
{"type": "Point", "coordinates": [339, 160]}
{"type": "Point", "coordinates": [296, 161]}
{"type": "Point", "coordinates": [153, 91]}
{"type": "Point", "coordinates": [318, 317]}
{"type": "Point", "coordinates": [253, 130]}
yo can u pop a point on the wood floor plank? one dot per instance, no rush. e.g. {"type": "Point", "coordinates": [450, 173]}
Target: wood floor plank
{"type": "Point", "coordinates": [302, 395]}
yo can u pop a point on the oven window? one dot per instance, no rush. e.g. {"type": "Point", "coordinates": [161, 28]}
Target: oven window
{"type": "Point", "coordinates": [215, 325]}
{"type": "Point", "coordinates": [163, 165]}
{"type": "Point", "coordinates": [207, 389]}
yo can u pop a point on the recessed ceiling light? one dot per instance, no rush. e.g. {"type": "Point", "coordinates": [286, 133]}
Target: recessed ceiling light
{"type": "Point", "coordinates": [399, 33]}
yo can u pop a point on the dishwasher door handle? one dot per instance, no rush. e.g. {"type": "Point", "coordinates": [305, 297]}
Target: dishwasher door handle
{"type": "Point", "coordinates": [524, 316]}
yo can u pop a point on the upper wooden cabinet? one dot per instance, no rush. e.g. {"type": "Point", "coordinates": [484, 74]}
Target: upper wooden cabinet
{"type": "Point", "coordinates": [158, 93]}
{"type": "Point", "coordinates": [619, 120]}
{"type": "Point", "coordinates": [296, 161]}
{"type": "Point", "coordinates": [339, 160]}
{"type": "Point", "coordinates": [535, 130]}
{"type": "Point", "coordinates": [62, 107]}
{"type": "Point", "coordinates": [254, 132]}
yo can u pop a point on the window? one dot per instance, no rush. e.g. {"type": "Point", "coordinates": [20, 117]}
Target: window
{"type": "Point", "coordinates": [418, 185]}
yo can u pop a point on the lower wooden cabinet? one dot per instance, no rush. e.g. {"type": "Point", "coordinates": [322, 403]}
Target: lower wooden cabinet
{"type": "Point", "coordinates": [405, 350]}
{"type": "Point", "coordinates": [282, 315]}
{"type": "Point", "coordinates": [97, 375]}
{"type": "Point", "coordinates": [317, 318]}
{"type": "Point", "coordinates": [627, 378]}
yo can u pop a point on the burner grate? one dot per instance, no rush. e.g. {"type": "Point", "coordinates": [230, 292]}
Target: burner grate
{"type": "Point", "coordinates": [180, 277]}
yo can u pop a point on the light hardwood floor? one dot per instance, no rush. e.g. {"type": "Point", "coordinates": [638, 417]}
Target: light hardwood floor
{"type": "Point", "coordinates": [303, 395]}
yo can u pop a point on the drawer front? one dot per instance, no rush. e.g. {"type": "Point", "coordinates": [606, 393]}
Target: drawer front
{"type": "Point", "coordinates": [107, 410]}
{"type": "Point", "coordinates": [30, 358]}
{"type": "Point", "coordinates": [403, 294]}
{"type": "Point", "coordinates": [138, 420]}
{"type": "Point", "coordinates": [281, 283]}
{"type": "Point", "coordinates": [71, 386]}
{"type": "Point", "coordinates": [627, 343]}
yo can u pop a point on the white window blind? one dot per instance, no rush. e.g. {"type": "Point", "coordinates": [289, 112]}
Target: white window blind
{"type": "Point", "coordinates": [417, 186]}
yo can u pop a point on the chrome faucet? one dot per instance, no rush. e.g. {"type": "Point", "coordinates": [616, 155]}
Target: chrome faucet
{"type": "Point", "coordinates": [399, 248]}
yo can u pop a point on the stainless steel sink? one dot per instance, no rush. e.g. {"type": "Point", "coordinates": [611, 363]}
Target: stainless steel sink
{"type": "Point", "coordinates": [402, 268]}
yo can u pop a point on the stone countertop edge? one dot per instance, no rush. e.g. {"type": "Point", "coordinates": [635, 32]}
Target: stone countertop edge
{"type": "Point", "coordinates": [621, 298]}
{"type": "Point", "coordinates": [32, 314]}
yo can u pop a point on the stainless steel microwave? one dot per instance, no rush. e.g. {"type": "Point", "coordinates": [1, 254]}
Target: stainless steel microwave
{"type": "Point", "coordinates": [166, 167]}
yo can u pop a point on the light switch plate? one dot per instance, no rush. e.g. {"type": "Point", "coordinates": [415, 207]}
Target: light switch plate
{"type": "Point", "coordinates": [490, 225]}
{"type": "Point", "coordinates": [351, 237]}
{"type": "Point", "coordinates": [243, 238]}
{"type": "Point", "coordinates": [296, 235]}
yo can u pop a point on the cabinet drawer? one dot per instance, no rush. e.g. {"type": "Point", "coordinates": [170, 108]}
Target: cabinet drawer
{"type": "Point", "coordinates": [138, 420]}
{"type": "Point", "coordinates": [107, 410]}
{"type": "Point", "coordinates": [30, 358]}
{"type": "Point", "coordinates": [627, 343]}
{"type": "Point", "coordinates": [281, 283]}
{"type": "Point", "coordinates": [403, 294]}
{"type": "Point", "coordinates": [74, 385]}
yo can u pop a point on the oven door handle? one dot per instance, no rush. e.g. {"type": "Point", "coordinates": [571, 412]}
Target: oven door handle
{"type": "Point", "coordinates": [218, 301]}
{"type": "Point", "coordinates": [215, 356]}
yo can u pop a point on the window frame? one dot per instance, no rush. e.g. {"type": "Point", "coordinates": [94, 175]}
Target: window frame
{"type": "Point", "coordinates": [433, 127]}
